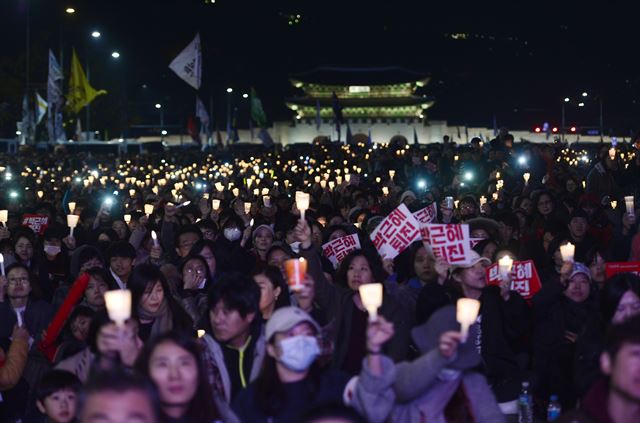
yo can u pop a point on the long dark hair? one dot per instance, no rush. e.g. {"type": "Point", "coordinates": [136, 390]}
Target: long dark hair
{"type": "Point", "coordinates": [201, 407]}
{"type": "Point", "coordinates": [201, 245]}
{"type": "Point", "coordinates": [378, 272]}
{"type": "Point", "coordinates": [271, 396]}
{"type": "Point", "coordinates": [274, 275]}
{"type": "Point", "coordinates": [144, 275]}
{"type": "Point", "coordinates": [613, 291]}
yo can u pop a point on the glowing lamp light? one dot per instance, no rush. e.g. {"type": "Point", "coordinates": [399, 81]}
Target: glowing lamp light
{"type": "Point", "coordinates": [573, 129]}
{"type": "Point", "coordinates": [629, 203]}
{"type": "Point", "coordinates": [567, 252]}
{"type": "Point", "coordinates": [148, 210]}
{"type": "Point", "coordinates": [302, 202]}
{"type": "Point", "coordinates": [296, 270]}
{"type": "Point", "coordinates": [118, 303]}
{"type": "Point", "coordinates": [72, 222]}
{"type": "Point", "coordinates": [215, 204]}
{"type": "Point", "coordinates": [385, 191]}
{"type": "Point", "coordinates": [392, 173]}
{"type": "Point", "coordinates": [201, 333]}
{"type": "Point", "coordinates": [504, 266]}
{"type": "Point", "coordinates": [466, 314]}
{"type": "Point", "coordinates": [554, 129]}
{"type": "Point", "coordinates": [127, 218]}
{"type": "Point", "coordinates": [614, 204]}
{"type": "Point", "coordinates": [526, 177]}
{"type": "Point", "coordinates": [247, 208]}
{"type": "Point", "coordinates": [371, 297]}
{"type": "Point", "coordinates": [537, 129]}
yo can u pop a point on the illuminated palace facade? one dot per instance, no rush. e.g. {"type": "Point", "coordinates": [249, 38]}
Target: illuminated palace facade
{"type": "Point", "coordinates": [385, 102]}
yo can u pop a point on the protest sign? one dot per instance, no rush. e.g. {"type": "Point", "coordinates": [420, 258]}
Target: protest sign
{"type": "Point", "coordinates": [337, 249]}
{"type": "Point", "coordinates": [524, 278]}
{"type": "Point", "coordinates": [38, 223]}
{"type": "Point", "coordinates": [427, 214]}
{"type": "Point", "coordinates": [622, 267]}
{"type": "Point", "coordinates": [448, 241]}
{"type": "Point", "coordinates": [396, 232]}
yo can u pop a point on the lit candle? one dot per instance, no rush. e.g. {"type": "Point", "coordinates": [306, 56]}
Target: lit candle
{"type": "Point", "coordinates": [154, 236]}
{"type": "Point", "coordinates": [265, 191]}
{"type": "Point", "coordinates": [385, 191]}
{"type": "Point", "coordinates": [612, 153]}
{"type": "Point", "coordinates": [331, 185]}
{"type": "Point", "coordinates": [2, 264]}
{"type": "Point", "coordinates": [567, 252]}
{"type": "Point", "coordinates": [40, 194]}
{"type": "Point", "coordinates": [72, 222]}
{"type": "Point", "coordinates": [267, 201]}
{"type": "Point", "coordinates": [455, 203]}
{"type": "Point", "coordinates": [215, 204]}
{"type": "Point", "coordinates": [4, 217]}
{"type": "Point", "coordinates": [256, 192]}
{"type": "Point", "coordinates": [148, 210]}
{"type": "Point", "coordinates": [201, 333]}
{"type": "Point", "coordinates": [118, 304]}
{"type": "Point", "coordinates": [72, 207]}
{"type": "Point", "coordinates": [132, 193]}
{"type": "Point", "coordinates": [392, 173]}
{"type": "Point", "coordinates": [247, 208]}
{"type": "Point", "coordinates": [483, 201]}
{"type": "Point", "coordinates": [628, 202]}
{"type": "Point", "coordinates": [614, 204]}
{"type": "Point", "coordinates": [347, 177]}
{"type": "Point", "coordinates": [296, 270]}
{"type": "Point", "coordinates": [236, 192]}
{"type": "Point", "coordinates": [497, 175]}
{"type": "Point", "coordinates": [526, 177]}
{"type": "Point", "coordinates": [127, 218]}
{"type": "Point", "coordinates": [504, 266]}
{"type": "Point", "coordinates": [466, 314]}
{"type": "Point", "coordinates": [339, 180]}
{"type": "Point", "coordinates": [302, 202]}
{"type": "Point", "coordinates": [371, 297]}
{"type": "Point", "coordinates": [219, 186]}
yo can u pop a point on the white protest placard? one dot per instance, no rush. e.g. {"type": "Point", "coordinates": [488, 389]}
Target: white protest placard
{"type": "Point", "coordinates": [427, 214]}
{"type": "Point", "coordinates": [396, 232]}
{"type": "Point", "coordinates": [337, 249]}
{"type": "Point", "coordinates": [448, 241]}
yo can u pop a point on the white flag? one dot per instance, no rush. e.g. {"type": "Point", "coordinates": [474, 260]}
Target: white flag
{"type": "Point", "coordinates": [41, 108]}
{"type": "Point", "coordinates": [201, 113]}
{"type": "Point", "coordinates": [188, 64]}
{"type": "Point", "coordinates": [55, 100]}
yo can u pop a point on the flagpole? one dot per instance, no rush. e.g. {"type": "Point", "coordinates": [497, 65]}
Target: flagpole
{"type": "Point", "coordinates": [88, 109]}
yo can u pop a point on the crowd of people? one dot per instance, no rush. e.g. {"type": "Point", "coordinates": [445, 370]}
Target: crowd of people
{"type": "Point", "coordinates": [217, 334]}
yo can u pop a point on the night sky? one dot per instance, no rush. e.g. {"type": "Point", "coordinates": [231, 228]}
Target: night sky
{"type": "Point", "coordinates": [516, 62]}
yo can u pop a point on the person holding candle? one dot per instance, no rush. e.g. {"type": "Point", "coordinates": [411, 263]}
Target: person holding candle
{"type": "Point", "coordinates": [579, 234]}
{"type": "Point", "coordinates": [54, 267]}
{"type": "Point", "coordinates": [232, 248]}
{"type": "Point", "coordinates": [293, 381]}
{"type": "Point", "coordinates": [172, 361]}
{"type": "Point", "coordinates": [561, 309]}
{"type": "Point", "coordinates": [273, 290]}
{"type": "Point", "coordinates": [262, 237]}
{"type": "Point", "coordinates": [448, 383]}
{"type": "Point", "coordinates": [205, 248]}
{"type": "Point", "coordinates": [153, 304]}
{"type": "Point", "coordinates": [342, 300]}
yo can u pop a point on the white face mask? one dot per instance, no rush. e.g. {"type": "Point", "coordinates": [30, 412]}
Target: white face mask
{"type": "Point", "coordinates": [52, 250]}
{"type": "Point", "coordinates": [299, 352]}
{"type": "Point", "coordinates": [295, 247]}
{"type": "Point", "coordinates": [232, 234]}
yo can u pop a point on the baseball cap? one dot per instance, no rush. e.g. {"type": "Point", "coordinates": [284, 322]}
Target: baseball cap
{"type": "Point", "coordinates": [285, 318]}
{"type": "Point", "coordinates": [475, 259]}
{"type": "Point", "coordinates": [580, 268]}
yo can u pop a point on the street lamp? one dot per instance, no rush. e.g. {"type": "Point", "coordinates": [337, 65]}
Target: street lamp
{"type": "Point", "coordinates": [584, 94]}
{"type": "Point", "coordinates": [229, 90]}
{"type": "Point", "coordinates": [566, 99]}
{"type": "Point", "coordinates": [581, 104]}
{"type": "Point", "coordinates": [70, 10]}
{"type": "Point", "coordinates": [245, 95]}
{"type": "Point", "coordinates": [96, 34]}
{"type": "Point", "coordinates": [115, 55]}
{"type": "Point", "coordinates": [158, 106]}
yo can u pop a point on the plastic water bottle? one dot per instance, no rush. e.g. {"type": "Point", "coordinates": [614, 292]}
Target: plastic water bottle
{"type": "Point", "coordinates": [525, 405]}
{"type": "Point", "coordinates": [554, 409]}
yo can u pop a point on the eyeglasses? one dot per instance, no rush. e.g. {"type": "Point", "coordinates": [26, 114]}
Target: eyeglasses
{"type": "Point", "coordinates": [16, 281]}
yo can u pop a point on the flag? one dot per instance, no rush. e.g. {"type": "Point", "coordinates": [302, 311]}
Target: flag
{"type": "Point", "coordinates": [26, 126]}
{"type": "Point", "coordinates": [80, 92]}
{"type": "Point", "coordinates": [188, 64]}
{"type": "Point", "coordinates": [264, 136]}
{"type": "Point", "coordinates": [415, 136]}
{"type": "Point", "coordinates": [54, 99]}
{"type": "Point", "coordinates": [318, 118]}
{"type": "Point", "coordinates": [337, 113]}
{"type": "Point", "coordinates": [41, 108]}
{"type": "Point", "coordinates": [257, 112]}
{"type": "Point", "coordinates": [192, 130]}
{"type": "Point", "coordinates": [201, 113]}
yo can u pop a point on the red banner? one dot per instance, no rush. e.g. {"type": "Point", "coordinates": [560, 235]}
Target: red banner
{"type": "Point", "coordinates": [524, 278]}
{"type": "Point", "coordinates": [622, 267]}
{"type": "Point", "coordinates": [37, 222]}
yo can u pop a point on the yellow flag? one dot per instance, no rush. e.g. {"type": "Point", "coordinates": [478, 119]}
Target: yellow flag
{"type": "Point", "coordinates": [80, 92]}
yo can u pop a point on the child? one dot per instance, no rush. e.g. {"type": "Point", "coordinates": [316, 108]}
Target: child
{"type": "Point", "coordinates": [57, 394]}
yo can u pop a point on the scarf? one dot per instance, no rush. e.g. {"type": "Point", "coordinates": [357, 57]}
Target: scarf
{"type": "Point", "coordinates": [162, 318]}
